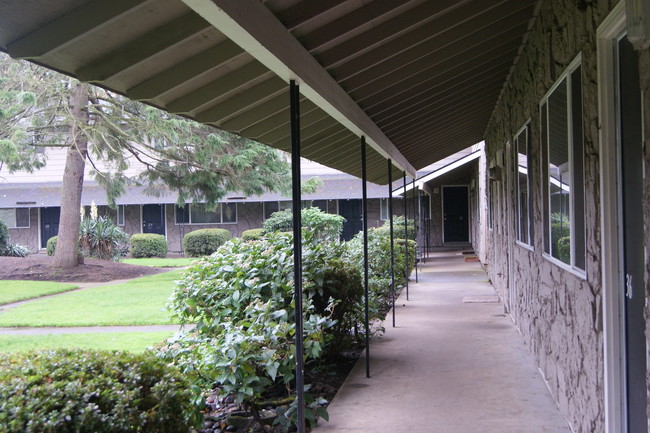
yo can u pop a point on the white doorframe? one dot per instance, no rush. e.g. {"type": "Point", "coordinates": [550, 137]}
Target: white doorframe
{"type": "Point", "coordinates": [611, 235]}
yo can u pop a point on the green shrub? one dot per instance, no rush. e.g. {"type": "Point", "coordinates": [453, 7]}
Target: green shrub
{"type": "Point", "coordinates": [92, 391]}
{"type": "Point", "coordinates": [4, 235]}
{"type": "Point", "coordinates": [252, 234]}
{"type": "Point", "coordinates": [204, 242]}
{"type": "Point", "coordinates": [100, 238]}
{"type": "Point", "coordinates": [560, 228]}
{"type": "Point", "coordinates": [379, 266]}
{"type": "Point", "coordinates": [148, 245]}
{"type": "Point", "coordinates": [398, 228]}
{"type": "Point", "coordinates": [326, 225]}
{"type": "Point", "coordinates": [564, 249]}
{"type": "Point", "coordinates": [51, 245]}
{"type": "Point", "coordinates": [241, 301]}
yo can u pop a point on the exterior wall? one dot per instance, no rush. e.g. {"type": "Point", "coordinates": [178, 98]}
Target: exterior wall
{"type": "Point", "coordinates": [27, 236]}
{"type": "Point", "coordinates": [132, 219]}
{"type": "Point", "coordinates": [249, 216]}
{"type": "Point", "coordinates": [558, 313]}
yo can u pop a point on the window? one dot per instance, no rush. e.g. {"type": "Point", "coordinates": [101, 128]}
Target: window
{"type": "Point", "coordinates": [563, 169]}
{"type": "Point", "coordinates": [320, 204]}
{"type": "Point", "coordinates": [524, 205]}
{"type": "Point", "coordinates": [17, 217]}
{"type": "Point", "coordinates": [120, 214]}
{"type": "Point", "coordinates": [383, 209]}
{"type": "Point", "coordinates": [225, 213]}
{"type": "Point", "coordinates": [275, 206]}
{"type": "Point", "coordinates": [490, 204]}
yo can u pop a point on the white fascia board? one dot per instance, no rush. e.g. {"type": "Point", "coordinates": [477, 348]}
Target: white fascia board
{"type": "Point", "coordinates": [420, 183]}
{"type": "Point", "coordinates": [252, 26]}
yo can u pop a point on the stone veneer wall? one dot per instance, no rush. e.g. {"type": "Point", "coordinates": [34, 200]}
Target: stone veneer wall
{"type": "Point", "coordinates": [558, 313]}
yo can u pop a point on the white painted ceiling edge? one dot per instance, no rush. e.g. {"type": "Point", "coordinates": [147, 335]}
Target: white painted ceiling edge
{"type": "Point", "coordinates": [252, 26]}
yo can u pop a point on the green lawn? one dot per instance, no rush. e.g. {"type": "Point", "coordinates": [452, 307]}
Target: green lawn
{"type": "Point", "coordinates": [157, 262]}
{"type": "Point", "coordinates": [137, 302]}
{"type": "Point", "coordinates": [129, 341]}
{"type": "Point", "coordinates": [14, 291]}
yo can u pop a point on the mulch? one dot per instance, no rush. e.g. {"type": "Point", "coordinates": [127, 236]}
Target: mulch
{"type": "Point", "coordinates": [39, 267]}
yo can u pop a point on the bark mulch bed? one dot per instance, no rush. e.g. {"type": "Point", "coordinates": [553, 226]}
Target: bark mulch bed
{"type": "Point", "coordinates": [39, 267]}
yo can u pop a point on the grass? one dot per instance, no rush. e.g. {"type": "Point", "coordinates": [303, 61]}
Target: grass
{"type": "Point", "coordinates": [157, 262]}
{"type": "Point", "coordinates": [14, 291]}
{"type": "Point", "coordinates": [137, 302]}
{"type": "Point", "coordinates": [128, 341]}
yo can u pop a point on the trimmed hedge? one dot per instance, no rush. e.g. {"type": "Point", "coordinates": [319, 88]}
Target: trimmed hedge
{"type": "Point", "coordinates": [204, 242]}
{"type": "Point", "coordinates": [148, 245]}
{"type": "Point", "coordinates": [252, 235]}
{"type": "Point", "coordinates": [51, 245]}
{"type": "Point", "coordinates": [93, 391]}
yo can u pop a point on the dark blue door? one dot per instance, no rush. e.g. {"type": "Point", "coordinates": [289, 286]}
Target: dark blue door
{"type": "Point", "coordinates": [153, 219]}
{"type": "Point", "coordinates": [50, 217]}
{"type": "Point", "coordinates": [351, 211]}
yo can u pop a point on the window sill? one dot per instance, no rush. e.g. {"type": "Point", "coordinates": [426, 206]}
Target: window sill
{"type": "Point", "coordinates": [577, 272]}
{"type": "Point", "coordinates": [525, 246]}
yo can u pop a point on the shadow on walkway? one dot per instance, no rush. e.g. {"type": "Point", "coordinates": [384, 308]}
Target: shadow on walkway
{"type": "Point", "coordinates": [453, 364]}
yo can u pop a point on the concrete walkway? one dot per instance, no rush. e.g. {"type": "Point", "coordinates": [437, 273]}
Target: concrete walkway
{"type": "Point", "coordinates": [453, 364]}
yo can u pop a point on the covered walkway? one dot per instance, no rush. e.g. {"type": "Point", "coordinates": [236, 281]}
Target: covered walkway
{"type": "Point", "coordinates": [454, 364]}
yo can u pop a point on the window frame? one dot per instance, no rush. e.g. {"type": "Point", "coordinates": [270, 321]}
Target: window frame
{"type": "Point", "coordinates": [525, 129]}
{"type": "Point", "coordinates": [188, 211]}
{"type": "Point", "coordinates": [577, 184]}
{"type": "Point", "coordinates": [383, 213]}
{"type": "Point", "coordinates": [16, 226]}
{"type": "Point", "coordinates": [120, 213]}
{"type": "Point", "coordinates": [282, 205]}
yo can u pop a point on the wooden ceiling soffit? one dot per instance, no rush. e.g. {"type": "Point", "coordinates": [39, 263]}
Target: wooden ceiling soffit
{"type": "Point", "coordinates": [251, 25]}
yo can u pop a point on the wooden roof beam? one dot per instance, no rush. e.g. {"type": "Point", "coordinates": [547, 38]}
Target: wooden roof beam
{"type": "Point", "coordinates": [142, 48]}
{"type": "Point", "coordinates": [251, 25]}
{"type": "Point", "coordinates": [69, 27]}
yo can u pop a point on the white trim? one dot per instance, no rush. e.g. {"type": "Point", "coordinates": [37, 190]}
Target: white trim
{"type": "Point", "coordinates": [523, 170]}
{"type": "Point", "coordinates": [548, 179]}
{"type": "Point", "coordinates": [141, 221]}
{"type": "Point", "coordinates": [525, 246]}
{"type": "Point", "coordinates": [120, 206]}
{"type": "Point", "coordinates": [40, 241]}
{"type": "Point", "coordinates": [611, 236]}
{"type": "Point", "coordinates": [559, 263]}
{"type": "Point", "coordinates": [419, 183]}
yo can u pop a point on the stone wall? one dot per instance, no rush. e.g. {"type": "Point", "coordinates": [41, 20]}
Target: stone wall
{"type": "Point", "coordinates": [558, 312]}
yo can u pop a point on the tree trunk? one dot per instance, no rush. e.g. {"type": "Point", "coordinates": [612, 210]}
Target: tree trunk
{"type": "Point", "coordinates": [67, 246]}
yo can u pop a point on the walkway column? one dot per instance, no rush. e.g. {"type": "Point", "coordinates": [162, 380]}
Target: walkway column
{"type": "Point", "coordinates": [392, 245]}
{"type": "Point", "coordinates": [406, 240]}
{"type": "Point", "coordinates": [416, 227]}
{"type": "Point", "coordinates": [294, 95]}
{"type": "Point", "coordinates": [364, 177]}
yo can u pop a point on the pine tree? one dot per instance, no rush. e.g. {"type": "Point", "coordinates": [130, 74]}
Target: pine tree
{"type": "Point", "coordinates": [41, 108]}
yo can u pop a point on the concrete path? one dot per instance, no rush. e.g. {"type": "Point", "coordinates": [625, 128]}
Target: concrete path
{"type": "Point", "coordinates": [453, 364]}
{"type": "Point", "coordinates": [89, 329]}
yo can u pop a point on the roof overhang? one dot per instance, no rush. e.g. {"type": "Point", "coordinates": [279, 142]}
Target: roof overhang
{"type": "Point", "coordinates": [419, 79]}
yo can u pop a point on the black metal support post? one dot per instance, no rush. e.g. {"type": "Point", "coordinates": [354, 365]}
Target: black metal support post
{"type": "Point", "coordinates": [364, 177]}
{"type": "Point", "coordinates": [416, 226]}
{"type": "Point", "coordinates": [297, 250]}
{"type": "Point", "coordinates": [406, 240]}
{"type": "Point", "coordinates": [392, 245]}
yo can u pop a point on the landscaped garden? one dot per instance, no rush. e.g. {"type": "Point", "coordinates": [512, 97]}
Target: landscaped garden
{"type": "Point", "coordinates": [236, 360]}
